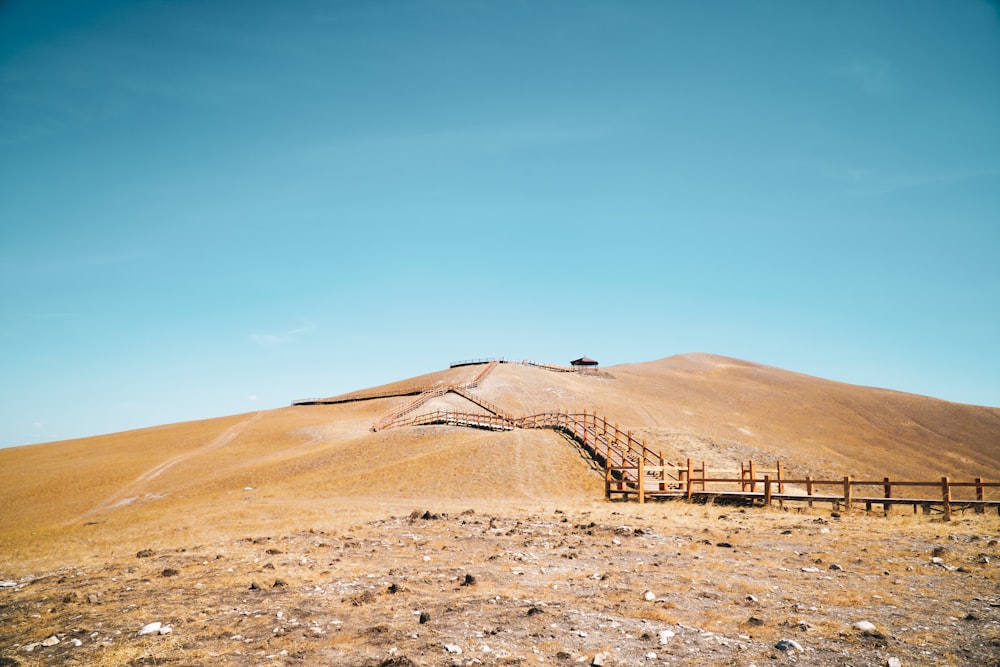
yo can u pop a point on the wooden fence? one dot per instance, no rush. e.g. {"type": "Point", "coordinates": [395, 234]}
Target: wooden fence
{"type": "Point", "coordinates": [769, 486]}
{"type": "Point", "coordinates": [631, 469]}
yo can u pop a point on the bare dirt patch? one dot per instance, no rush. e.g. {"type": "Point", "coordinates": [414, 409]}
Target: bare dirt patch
{"type": "Point", "coordinates": [661, 584]}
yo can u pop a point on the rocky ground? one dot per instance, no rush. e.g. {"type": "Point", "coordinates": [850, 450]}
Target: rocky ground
{"type": "Point", "coordinates": [611, 584]}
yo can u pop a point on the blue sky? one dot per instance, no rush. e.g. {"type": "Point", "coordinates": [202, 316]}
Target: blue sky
{"type": "Point", "coordinates": [209, 208]}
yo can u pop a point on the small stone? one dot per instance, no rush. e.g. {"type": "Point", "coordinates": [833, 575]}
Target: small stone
{"type": "Point", "coordinates": [169, 572]}
{"type": "Point", "coordinates": [650, 656]}
{"type": "Point", "coordinates": [93, 598]}
{"type": "Point", "coordinates": [30, 647]}
{"type": "Point", "coordinates": [666, 636]}
{"type": "Point", "coordinates": [835, 567]}
{"type": "Point", "coordinates": [76, 642]}
{"type": "Point", "coordinates": [751, 598]}
{"type": "Point", "coordinates": [145, 553]}
{"type": "Point", "coordinates": [424, 617]}
{"type": "Point", "coordinates": [937, 560]}
{"type": "Point", "coordinates": [279, 583]}
{"type": "Point", "coordinates": [599, 660]}
{"type": "Point", "coordinates": [469, 580]}
{"type": "Point", "coordinates": [51, 641]}
{"type": "Point", "coordinates": [811, 569]}
{"type": "Point", "coordinates": [166, 630]}
{"type": "Point", "coordinates": [8, 584]}
{"type": "Point", "coordinates": [453, 648]}
{"type": "Point", "coordinates": [864, 626]}
{"type": "Point", "coordinates": [649, 596]}
{"type": "Point", "coordinates": [150, 629]}
{"type": "Point", "coordinates": [893, 662]}
{"type": "Point", "coordinates": [788, 645]}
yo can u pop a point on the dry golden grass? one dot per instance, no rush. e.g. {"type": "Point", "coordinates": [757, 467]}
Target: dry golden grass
{"type": "Point", "coordinates": [85, 503]}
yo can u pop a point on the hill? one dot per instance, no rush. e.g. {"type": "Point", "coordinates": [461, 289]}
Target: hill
{"type": "Point", "coordinates": [309, 505]}
{"type": "Point", "coordinates": [246, 470]}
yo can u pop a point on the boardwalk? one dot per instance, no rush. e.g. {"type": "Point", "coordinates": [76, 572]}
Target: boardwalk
{"type": "Point", "coordinates": [634, 471]}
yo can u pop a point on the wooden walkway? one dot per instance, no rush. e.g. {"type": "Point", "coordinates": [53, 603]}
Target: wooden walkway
{"type": "Point", "coordinates": [633, 470]}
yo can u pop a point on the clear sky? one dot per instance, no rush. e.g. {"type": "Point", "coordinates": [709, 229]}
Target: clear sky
{"type": "Point", "coordinates": [211, 207]}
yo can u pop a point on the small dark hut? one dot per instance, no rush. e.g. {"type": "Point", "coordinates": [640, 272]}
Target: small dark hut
{"type": "Point", "coordinates": [584, 362]}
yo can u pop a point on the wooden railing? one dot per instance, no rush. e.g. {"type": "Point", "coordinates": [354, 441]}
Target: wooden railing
{"type": "Point", "coordinates": [556, 368]}
{"type": "Point", "coordinates": [631, 468]}
{"type": "Point", "coordinates": [476, 362]}
{"type": "Point", "coordinates": [359, 396]}
{"type": "Point", "coordinates": [769, 486]}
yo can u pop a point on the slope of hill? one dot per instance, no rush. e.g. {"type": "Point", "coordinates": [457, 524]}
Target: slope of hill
{"type": "Point", "coordinates": [321, 461]}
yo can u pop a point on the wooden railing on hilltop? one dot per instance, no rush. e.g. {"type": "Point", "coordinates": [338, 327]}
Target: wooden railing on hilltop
{"type": "Point", "coordinates": [631, 468]}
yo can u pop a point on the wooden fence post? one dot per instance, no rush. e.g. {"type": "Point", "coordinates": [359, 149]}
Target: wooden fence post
{"type": "Point", "coordinates": [781, 476]}
{"type": "Point", "coordinates": [980, 509]}
{"type": "Point", "coordinates": [847, 493]}
{"type": "Point", "coordinates": [767, 490]}
{"type": "Point", "coordinates": [809, 488]}
{"type": "Point", "coordinates": [642, 477]}
{"type": "Point", "coordinates": [753, 477]}
{"type": "Point", "coordinates": [704, 475]}
{"type": "Point", "coordinates": [887, 492]}
{"type": "Point", "coordinates": [690, 479]}
{"type": "Point", "coordinates": [946, 497]}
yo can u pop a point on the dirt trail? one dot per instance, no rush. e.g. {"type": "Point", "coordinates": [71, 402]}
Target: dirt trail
{"type": "Point", "coordinates": [128, 494]}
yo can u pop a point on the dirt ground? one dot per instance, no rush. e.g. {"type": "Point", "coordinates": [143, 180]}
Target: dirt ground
{"type": "Point", "coordinates": [496, 584]}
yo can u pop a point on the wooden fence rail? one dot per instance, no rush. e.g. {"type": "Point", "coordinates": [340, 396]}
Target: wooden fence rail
{"type": "Point", "coordinates": [634, 470]}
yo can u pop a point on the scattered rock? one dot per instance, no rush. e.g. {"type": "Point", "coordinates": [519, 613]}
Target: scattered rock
{"type": "Point", "coordinates": [724, 545]}
{"type": "Point", "coordinates": [666, 636]}
{"type": "Point", "coordinates": [469, 580]}
{"type": "Point", "coordinates": [866, 627]}
{"type": "Point", "coordinates": [254, 586]}
{"type": "Point", "coordinates": [835, 567]}
{"type": "Point", "coordinates": [599, 660]}
{"type": "Point", "coordinates": [169, 572]}
{"type": "Point", "coordinates": [893, 662]}
{"type": "Point", "coordinates": [279, 583]}
{"type": "Point", "coordinates": [788, 645]}
{"type": "Point", "coordinates": [424, 617]}
{"type": "Point", "coordinates": [453, 648]}
{"type": "Point", "coordinates": [150, 629]}
{"type": "Point", "coordinates": [51, 641]}
{"type": "Point", "coordinates": [93, 598]}
{"type": "Point", "coordinates": [535, 610]}
{"type": "Point", "coordinates": [397, 661]}
{"type": "Point", "coordinates": [145, 553]}
{"type": "Point", "coordinates": [811, 569]}
{"type": "Point", "coordinates": [649, 596]}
